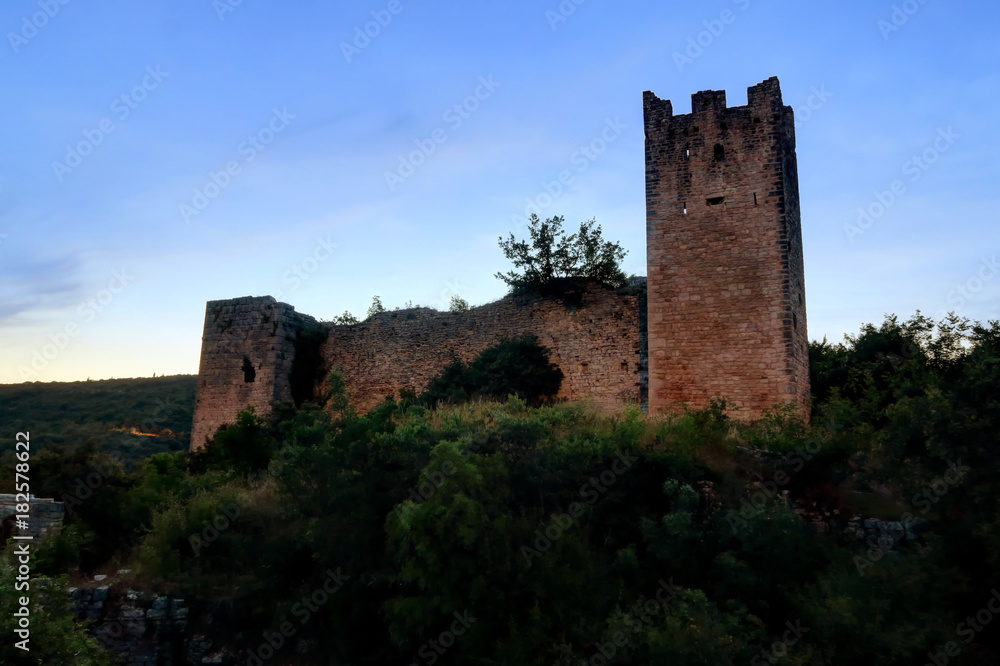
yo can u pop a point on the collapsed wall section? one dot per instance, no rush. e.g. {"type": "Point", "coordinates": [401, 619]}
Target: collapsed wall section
{"type": "Point", "coordinates": [726, 299]}
{"type": "Point", "coordinates": [247, 355]}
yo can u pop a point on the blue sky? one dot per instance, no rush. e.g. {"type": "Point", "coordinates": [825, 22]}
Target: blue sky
{"type": "Point", "coordinates": [159, 155]}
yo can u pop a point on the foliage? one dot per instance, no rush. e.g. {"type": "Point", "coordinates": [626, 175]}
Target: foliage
{"type": "Point", "coordinates": [458, 304]}
{"type": "Point", "coordinates": [55, 637]}
{"type": "Point", "coordinates": [550, 254]}
{"type": "Point", "coordinates": [518, 367]}
{"type": "Point", "coordinates": [346, 319]}
{"type": "Point", "coordinates": [375, 308]}
{"type": "Point", "coordinates": [563, 534]}
{"type": "Point", "coordinates": [244, 446]}
{"type": "Point", "coordinates": [109, 411]}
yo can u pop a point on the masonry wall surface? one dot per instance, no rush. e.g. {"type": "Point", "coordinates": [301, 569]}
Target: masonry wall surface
{"type": "Point", "coordinates": [260, 330]}
{"type": "Point", "coordinates": [593, 335]}
{"type": "Point", "coordinates": [592, 332]}
{"type": "Point", "coordinates": [726, 286]}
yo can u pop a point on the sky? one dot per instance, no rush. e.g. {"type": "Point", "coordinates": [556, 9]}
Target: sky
{"type": "Point", "coordinates": [159, 155]}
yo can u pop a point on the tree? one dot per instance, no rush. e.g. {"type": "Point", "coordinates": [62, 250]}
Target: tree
{"type": "Point", "coordinates": [375, 308]}
{"type": "Point", "coordinates": [550, 254]}
{"type": "Point", "coordinates": [458, 304]}
{"type": "Point", "coordinates": [518, 366]}
{"type": "Point", "coordinates": [346, 319]}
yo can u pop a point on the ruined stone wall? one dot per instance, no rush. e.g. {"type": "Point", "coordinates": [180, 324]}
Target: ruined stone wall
{"type": "Point", "coordinates": [247, 352]}
{"type": "Point", "coordinates": [724, 254]}
{"type": "Point", "coordinates": [45, 516]}
{"type": "Point", "coordinates": [593, 334]}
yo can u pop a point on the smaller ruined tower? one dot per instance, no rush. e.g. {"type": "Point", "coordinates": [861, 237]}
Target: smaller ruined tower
{"type": "Point", "coordinates": [247, 355]}
{"type": "Point", "coordinates": [726, 304]}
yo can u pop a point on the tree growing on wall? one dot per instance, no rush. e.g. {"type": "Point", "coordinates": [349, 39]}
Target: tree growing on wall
{"type": "Point", "coordinates": [375, 308]}
{"type": "Point", "coordinates": [346, 319]}
{"type": "Point", "coordinates": [549, 254]}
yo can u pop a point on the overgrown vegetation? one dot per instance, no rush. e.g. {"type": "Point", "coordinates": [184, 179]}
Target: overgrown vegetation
{"type": "Point", "coordinates": [549, 254]}
{"type": "Point", "coordinates": [560, 534]}
{"type": "Point", "coordinates": [111, 412]}
{"type": "Point", "coordinates": [518, 367]}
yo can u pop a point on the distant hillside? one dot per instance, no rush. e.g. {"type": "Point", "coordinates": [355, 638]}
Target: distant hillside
{"type": "Point", "coordinates": [110, 411]}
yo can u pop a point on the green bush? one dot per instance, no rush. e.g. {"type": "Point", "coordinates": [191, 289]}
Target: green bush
{"type": "Point", "coordinates": [518, 367]}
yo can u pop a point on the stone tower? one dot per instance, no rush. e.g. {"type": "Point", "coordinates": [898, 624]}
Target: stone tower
{"type": "Point", "coordinates": [726, 308]}
{"type": "Point", "coordinates": [247, 354]}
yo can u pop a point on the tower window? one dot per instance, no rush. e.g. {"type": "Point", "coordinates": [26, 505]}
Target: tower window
{"type": "Point", "coordinates": [715, 201]}
{"type": "Point", "coordinates": [754, 198]}
{"type": "Point", "coordinates": [720, 152]}
{"type": "Point", "coordinates": [687, 152]}
{"type": "Point", "coordinates": [249, 373]}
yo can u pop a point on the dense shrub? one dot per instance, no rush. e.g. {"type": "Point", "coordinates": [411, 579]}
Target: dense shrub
{"type": "Point", "coordinates": [518, 367]}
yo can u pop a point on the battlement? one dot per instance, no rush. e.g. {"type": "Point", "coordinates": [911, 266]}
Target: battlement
{"type": "Point", "coordinates": [763, 98]}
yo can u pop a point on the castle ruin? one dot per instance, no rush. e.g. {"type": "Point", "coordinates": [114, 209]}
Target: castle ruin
{"type": "Point", "coordinates": [725, 297]}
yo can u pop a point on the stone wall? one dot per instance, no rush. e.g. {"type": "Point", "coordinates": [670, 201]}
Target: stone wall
{"type": "Point", "coordinates": [145, 629]}
{"type": "Point", "coordinates": [592, 332]}
{"type": "Point", "coordinates": [724, 254]}
{"type": "Point", "coordinates": [45, 516]}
